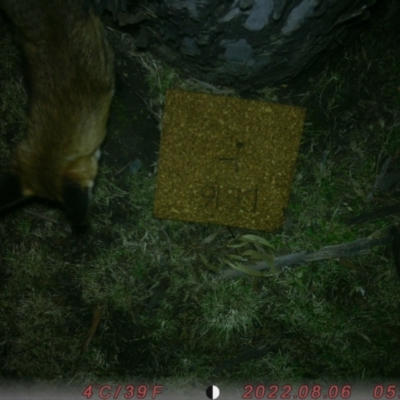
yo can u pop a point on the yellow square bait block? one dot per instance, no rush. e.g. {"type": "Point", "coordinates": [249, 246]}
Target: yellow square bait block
{"type": "Point", "coordinates": [227, 161]}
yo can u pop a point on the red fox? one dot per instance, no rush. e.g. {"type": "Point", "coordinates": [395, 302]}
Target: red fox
{"type": "Point", "coordinates": [70, 70]}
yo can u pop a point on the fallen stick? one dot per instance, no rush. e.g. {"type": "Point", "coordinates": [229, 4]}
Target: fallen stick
{"type": "Point", "coordinates": [358, 247]}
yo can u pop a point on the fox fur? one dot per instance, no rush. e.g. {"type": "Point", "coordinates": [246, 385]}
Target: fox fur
{"type": "Point", "coordinates": [70, 71]}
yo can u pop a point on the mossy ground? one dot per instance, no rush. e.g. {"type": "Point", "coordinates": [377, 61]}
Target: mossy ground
{"type": "Point", "coordinates": [166, 314]}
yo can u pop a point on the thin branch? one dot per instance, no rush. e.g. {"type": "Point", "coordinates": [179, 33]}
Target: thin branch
{"type": "Point", "coordinates": [357, 248]}
{"type": "Point", "coordinates": [41, 216]}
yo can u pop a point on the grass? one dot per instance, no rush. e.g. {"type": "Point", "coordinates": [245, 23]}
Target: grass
{"type": "Point", "coordinates": [166, 314]}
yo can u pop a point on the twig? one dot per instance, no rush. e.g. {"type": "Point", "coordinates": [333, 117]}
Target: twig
{"type": "Point", "coordinates": [26, 211]}
{"type": "Point", "coordinates": [379, 178]}
{"type": "Point", "coordinates": [168, 242]}
{"type": "Point", "coordinates": [357, 248]}
{"type": "Point", "coordinates": [98, 312]}
{"type": "Point", "coordinates": [123, 168]}
{"type": "Point", "coordinates": [378, 213]}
